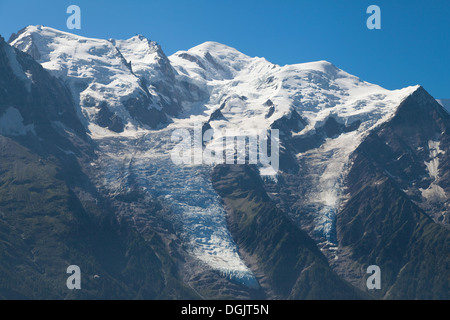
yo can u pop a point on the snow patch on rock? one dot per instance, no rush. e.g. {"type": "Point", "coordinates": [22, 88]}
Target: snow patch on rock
{"type": "Point", "coordinates": [11, 123]}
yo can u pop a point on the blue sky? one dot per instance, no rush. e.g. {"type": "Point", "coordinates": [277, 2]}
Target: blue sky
{"type": "Point", "coordinates": [412, 47]}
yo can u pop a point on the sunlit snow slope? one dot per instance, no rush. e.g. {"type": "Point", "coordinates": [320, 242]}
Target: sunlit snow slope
{"type": "Point", "coordinates": [445, 103]}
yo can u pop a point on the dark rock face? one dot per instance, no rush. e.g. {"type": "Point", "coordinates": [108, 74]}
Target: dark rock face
{"type": "Point", "coordinates": [188, 57]}
{"type": "Point", "coordinates": [286, 261]}
{"type": "Point", "coordinates": [330, 129]}
{"type": "Point", "coordinates": [385, 221]}
{"type": "Point", "coordinates": [286, 125]}
{"type": "Point", "coordinates": [414, 142]}
{"type": "Point", "coordinates": [380, 225]}
{"type": "Point", "coordinates": [41, 99]}
{"type": "Point", "coordinates": [270, 112]}
{"type": "Point", "coordinates": [217, 115]}
{"type": "Point", "coordinates": [170, 90]}
{"type": "Point", "coordinates": [108, 119]}
{"type": "Point", "coordinates": [139, 109]}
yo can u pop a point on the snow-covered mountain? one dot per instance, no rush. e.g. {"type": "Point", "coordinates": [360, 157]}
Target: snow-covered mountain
{"type": "Point", "coordinates": [254, 93]}
{"type": "Point", "coordinates": [115, 71]}
{"type": "Point", "coordinates": [131, 97]}
{"type": "Point", "coordinates": [120, 86]}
